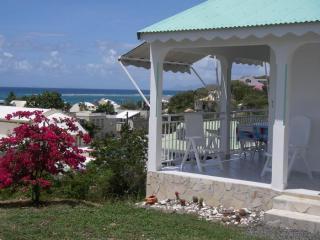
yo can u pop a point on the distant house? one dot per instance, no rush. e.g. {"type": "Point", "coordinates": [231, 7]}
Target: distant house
{"type": "Point", "coordinates": [207, 103]}
{"type": "Point", "coordinates": [256, 82]}
{"type": "Point", "coordinates": [82, 106]}
{"type": "Point", "coordinates": [112, 124]}
{"type": "Point", "coordinates": [116, 106]}
{"type": "Point", "coordinates": [127, 116]}
{"type": "Point", "coordinates": [104, 125]}
{"type": "Point", "coordinates": [18, 103]}
{"type": "Point", "coordinates": [7, 126]}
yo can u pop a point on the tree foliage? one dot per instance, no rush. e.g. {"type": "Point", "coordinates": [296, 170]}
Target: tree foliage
{"type": "Point", "coordinates": [242, 95]}
{"type": "Point", "coordinates": [11, 96]}
{"type": "Point", "coordinates": [106, 108]}
{"type": "Point", "coordinates": [248, 97]}
{"type": "Point", "coordinates": [181, 101]}
{"type": "Point", "coordinates": [37, 150]}
{"type": "Point", "coordinates": [93, 183]}
{"type": "Point", "coordinates": [45, 100]}
{"type": "Point", "coordinates": [125, 157]}
{"type": "Point", "coordinates": [184, 100]}
{"type": "Point", "coordinates": [90, 127]}
{"type": "Point", "coordinates": [130, 106]}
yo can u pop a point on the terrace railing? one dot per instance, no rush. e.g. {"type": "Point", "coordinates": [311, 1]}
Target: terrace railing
{"type": "Point", "coordinates": [173, 130]}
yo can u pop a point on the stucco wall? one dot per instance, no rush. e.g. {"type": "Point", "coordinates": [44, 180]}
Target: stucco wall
{"type": "Point", "coordinates": [7, 127]}
{"type": "Point", "coordinates": [215, 191]}
{"type": "Point", "coordinates": [305, 96]}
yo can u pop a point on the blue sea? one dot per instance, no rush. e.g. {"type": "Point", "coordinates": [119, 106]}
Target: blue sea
{"type": "Point", "coordinates": [84, 95]}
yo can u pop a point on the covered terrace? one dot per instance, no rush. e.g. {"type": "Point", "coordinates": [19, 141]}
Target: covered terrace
{"type": "Point", "coordinates": [291, 47]}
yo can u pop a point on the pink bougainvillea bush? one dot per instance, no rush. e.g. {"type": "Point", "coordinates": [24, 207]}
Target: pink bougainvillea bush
{"type": "Point", "coordinates": [38, 149]}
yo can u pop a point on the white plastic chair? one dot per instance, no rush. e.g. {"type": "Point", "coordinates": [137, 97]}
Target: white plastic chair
{"type": "Point", "coordinates": [299, 138]}
{"type": "Point", "coordinates": [300, 128]}
{"type": "Point", "coordinates": [196, 142]}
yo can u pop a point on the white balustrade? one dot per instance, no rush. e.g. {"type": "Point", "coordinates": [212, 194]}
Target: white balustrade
{"type": "Point", "coordinates": [173, 141]}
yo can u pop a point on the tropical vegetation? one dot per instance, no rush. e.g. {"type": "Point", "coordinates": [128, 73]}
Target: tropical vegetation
{"type": "Point", "coordinates": [37, 150]}
{"type": "Point", "coordinates": [243, 97]}
{"type": "Point", "coordinates": [47, 99]}
{"type": "Point", "coordinates": [106, 108]}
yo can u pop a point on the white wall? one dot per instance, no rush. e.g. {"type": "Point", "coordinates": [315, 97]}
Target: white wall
{"type": "Point", "coordinates": [305, 95]}
{"type": "Point", "coordinates": [7, 127]}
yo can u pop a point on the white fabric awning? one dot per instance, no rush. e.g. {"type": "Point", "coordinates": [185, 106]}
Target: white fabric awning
{"type": "Point", "coordinates": [175, 61]}
{"type": "Point", "coordinates": [181, 60]}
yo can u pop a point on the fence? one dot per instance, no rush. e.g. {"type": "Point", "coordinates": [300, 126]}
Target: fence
{"type": "Point", "coordinates": [173, 128]}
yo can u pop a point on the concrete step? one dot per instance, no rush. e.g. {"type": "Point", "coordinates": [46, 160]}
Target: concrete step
{"type": "Point", "coordinates": [300, 204]}
{"type": "Point", "coordinates": [292, 220]}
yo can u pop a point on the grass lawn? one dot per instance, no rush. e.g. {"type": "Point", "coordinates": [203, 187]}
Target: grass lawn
{"type": "Point", "coordinates": [110, 221]}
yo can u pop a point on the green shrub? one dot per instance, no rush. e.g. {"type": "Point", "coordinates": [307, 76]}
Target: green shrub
{"type": "Point", "coordinates": [90, 184]}
{"type": "Point", "coordinates": [126, 158]}
{"type": "Point", "coordinates": [119, 170]}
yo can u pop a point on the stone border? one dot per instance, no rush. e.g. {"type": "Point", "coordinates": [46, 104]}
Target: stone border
{"type": "Point", "coordinates": [214, 190]}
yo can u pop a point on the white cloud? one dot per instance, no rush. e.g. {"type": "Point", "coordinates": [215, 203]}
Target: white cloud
{"type": "Point", "coordinates": [43, 34]}
{"type": "Point", "coordinates": [9, 63]}
{"type": "Point", "coordinates": [23, 65]}
{"type": "Point", "coordinates": [240, 70]}
{"type": "Point", "coordinates": [54, 54]}
{"type": "Point", "coordinates": [8, 55]}
{"type": "Point", "coordinates": [53, 63]}
{"type": "Point", "coordinates": [1, 41]}
{"type": "Point", "coordinates": [99, 69]}
{"type": "Point", "coordinates": [93, 67]}
{"type": "Point", "coordinates": [108, 63]}
{"type": "Point", "coordinates": [110, 57]}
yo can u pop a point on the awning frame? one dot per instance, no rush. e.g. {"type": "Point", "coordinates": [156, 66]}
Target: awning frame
{"type": "Point", "coordinates": [136, 86]}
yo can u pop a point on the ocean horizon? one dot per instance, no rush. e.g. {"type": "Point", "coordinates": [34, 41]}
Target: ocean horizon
{"type": "Point", "coordinates": [74, 95]}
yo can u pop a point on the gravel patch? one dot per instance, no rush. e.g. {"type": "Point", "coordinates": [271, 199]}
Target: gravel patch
{"type": "Point", "coordinates": [228, 216]}
{"type": "Point", "coordinates": [250, 220]}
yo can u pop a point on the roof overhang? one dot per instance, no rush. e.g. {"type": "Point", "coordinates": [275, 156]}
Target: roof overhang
{"type": "Point", "coordinates": [230, 15]}
{"type": "Point", "coordinates": [276, 31]}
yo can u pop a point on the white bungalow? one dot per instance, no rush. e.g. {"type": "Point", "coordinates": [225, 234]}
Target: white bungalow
{"type": "Point", "coordinates": [286, 34]}
{"type": "Point", "coordinates": [18, 103]}
{"type": "Point", "coordinates": [255, 82]}
{"type": "Point", "coordinates": [82, 106]}
{"type": "Point", "coordinates": [103, 101]}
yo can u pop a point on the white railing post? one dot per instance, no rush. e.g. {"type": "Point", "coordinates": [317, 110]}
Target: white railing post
{"type": "Point", "coordinates": [157, 54]}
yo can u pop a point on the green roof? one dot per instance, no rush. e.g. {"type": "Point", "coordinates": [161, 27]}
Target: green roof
{"type": "Point", "coordinates": [222, 14]}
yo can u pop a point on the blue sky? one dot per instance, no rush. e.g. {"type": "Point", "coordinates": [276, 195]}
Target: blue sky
{"type": "Point", "coordinates": [75, 43]}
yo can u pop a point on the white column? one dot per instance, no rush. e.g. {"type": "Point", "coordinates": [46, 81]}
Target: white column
{"type": "Point", "coordinates": [157, 55]}
{"type": "Point", "coordinates": [280, 127]}
{"type": "Point", "coordinates": [271, 99]}
{"type": "Point", "coordinates": [226, 67]}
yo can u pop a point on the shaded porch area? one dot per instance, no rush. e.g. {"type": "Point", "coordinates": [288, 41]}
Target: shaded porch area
{"type": "Point", "coordinates": [250, 170]}
{"type": "Point", "coordinates": [245, 163]}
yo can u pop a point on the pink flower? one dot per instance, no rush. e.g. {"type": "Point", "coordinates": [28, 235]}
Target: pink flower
{"type": "Point", "coordinates": [86, 138]}
{"type": "Point", "coordinates": [35, 150]}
